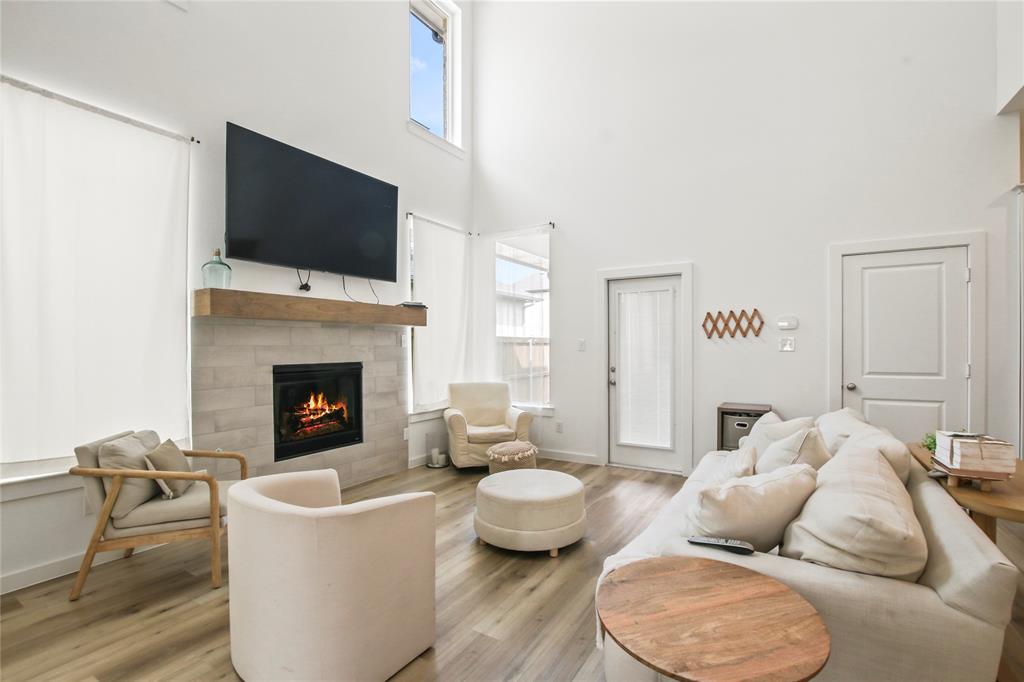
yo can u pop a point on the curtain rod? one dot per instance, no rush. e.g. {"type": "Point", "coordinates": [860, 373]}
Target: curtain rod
{"type": "Point", "coordinates": [94, 109]}
{"type": "Point", "coordinates": [409, 214]}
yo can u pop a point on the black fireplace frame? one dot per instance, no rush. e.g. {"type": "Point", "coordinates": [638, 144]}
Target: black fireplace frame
{"type": "Point", "coordinates": [330, 441]}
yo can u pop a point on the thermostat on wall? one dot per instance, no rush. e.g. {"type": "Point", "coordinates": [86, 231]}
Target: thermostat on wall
{"type": "Point", "coordinates": [787, 322]}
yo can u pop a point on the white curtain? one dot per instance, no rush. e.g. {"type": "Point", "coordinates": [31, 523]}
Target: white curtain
{"type": "Point", "coordinates": [93, 308]}
{"type": "Point", "coordinates": [646, 368]}
{"type": "Point", "coordinates": [440, 279]}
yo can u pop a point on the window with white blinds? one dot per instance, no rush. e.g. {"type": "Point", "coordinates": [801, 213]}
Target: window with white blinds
{"type": "Point", "coordinates": [93, 300]}
{"type": "Point", "coordinates": [646, 367]}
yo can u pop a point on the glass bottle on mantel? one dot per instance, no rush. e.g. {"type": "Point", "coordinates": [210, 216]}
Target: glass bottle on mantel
{"type": "Point", "coordinates": [216, 273]}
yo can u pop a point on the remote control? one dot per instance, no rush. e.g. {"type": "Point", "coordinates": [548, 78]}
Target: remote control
{"type": "Point", "coordinates": [728, 544]}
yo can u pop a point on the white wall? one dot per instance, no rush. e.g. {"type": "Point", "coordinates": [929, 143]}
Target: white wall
{"type": "Point", "coordinates": [1010, 55]}
{"type": "Point", "coordinates": [328, 77]}
{"type": "Point", "coordinates": [746, 138]}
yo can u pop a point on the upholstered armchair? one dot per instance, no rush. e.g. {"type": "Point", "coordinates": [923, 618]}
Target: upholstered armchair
{"type": "Point", "coordinates": [480, 415]}
{"type": "Point", "coordinates": [325, 591]}
{"type": "Point", "coordinates": [197, 514]}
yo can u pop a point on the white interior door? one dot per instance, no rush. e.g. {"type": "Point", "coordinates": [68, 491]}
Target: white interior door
{"type": "Point", "coordinates": [905, 339]}
{"type": "Point", "coordinates": [644, 373]}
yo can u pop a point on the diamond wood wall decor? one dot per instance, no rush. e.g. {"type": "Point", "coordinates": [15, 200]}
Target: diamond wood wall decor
{"type": "Point", "coordinates": [721, 323]}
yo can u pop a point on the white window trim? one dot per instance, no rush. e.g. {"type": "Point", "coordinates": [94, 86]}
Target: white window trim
{"type": "Point", "coordinates": [449, 16]}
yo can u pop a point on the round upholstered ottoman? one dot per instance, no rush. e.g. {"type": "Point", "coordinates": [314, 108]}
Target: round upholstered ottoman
{"type": "Point", "coordinates": [530, 510]}
{"type": "Point", "coordinates": [513, 454]}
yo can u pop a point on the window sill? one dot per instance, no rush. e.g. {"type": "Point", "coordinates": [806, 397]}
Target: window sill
{"type": "Point", "coordinates": [536, 410]}
{"type": "Point", "coordinates": [426, 415]}
{"type": "Point", "coordinates": [419, 131]}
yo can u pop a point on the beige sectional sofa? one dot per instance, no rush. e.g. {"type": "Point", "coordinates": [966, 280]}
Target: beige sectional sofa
{"type": "Point", "coordinates": [948, 625]}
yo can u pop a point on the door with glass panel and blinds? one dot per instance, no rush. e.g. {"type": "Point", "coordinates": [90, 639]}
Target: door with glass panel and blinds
{"type": "Point", "coordinates": [644, 372]}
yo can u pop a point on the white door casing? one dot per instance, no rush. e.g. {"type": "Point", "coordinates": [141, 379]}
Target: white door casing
{"type": "Point", "coordinates": [905, 338]}
{"type": "Point", "coordinates": [644, 372]}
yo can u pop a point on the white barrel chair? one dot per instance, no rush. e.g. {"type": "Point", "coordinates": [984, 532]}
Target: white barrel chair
{"type": "Point", "coordinates": [325, 591]}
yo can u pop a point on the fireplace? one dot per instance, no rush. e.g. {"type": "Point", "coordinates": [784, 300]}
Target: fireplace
{"type": "Point", "coordinates": [317, 407]}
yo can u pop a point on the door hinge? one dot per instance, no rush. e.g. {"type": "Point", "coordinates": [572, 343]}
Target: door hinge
{"type": "Point", "coordinates": [967, 371]}
{"type": "Point", "coordinates": [967, 275]}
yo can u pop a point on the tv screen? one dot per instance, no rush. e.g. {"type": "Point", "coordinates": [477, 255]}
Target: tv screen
{"type": "Point", "coordinates": [288, 207]}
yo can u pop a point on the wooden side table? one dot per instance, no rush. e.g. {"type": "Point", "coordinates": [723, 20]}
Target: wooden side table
{"type": "Point", "coordinates": [1004, 501]}
{"type": "Point", "coordinates": [697, 619]}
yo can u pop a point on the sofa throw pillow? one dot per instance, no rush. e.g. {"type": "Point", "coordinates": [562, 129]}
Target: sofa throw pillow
{"type": "Point", "coordinates": [129, 452]}
{"type": "Point", "coordinates": [168, 457]}
{"type": "Point", "coordinates": [803, 447]}
{"type": "Point", "coordinates": [756, 508]}
{"type": "Point", "coordinates": [881, 440]}
{"type": "Point", "coordinates": [762, 421]}
{"type": "Point", "coordinates": [860, 518]}
{"type": "Point", "coordinates": [836, 427]}
{"type": "Point", "coordinates": [735, 464]}
{"type": "Point", "coordinates": [768, 430]}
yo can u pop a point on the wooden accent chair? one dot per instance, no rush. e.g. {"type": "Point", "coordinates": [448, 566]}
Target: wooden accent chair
{"type": "Point", "coordinates": [169, 520]}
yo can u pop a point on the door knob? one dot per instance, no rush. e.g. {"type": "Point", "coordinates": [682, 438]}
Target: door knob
{"type": "Point", "coordinates": [611, 382]}
{"type": "Point", "coordinates": [850, 386]}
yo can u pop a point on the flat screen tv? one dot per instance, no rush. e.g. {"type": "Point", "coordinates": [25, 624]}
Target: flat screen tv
{"type": "Point", "coordinates": [288, 207]}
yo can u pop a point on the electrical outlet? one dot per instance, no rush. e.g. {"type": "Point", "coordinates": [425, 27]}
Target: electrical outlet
{"type": "Point", "coordinates": [559, 427]}
{"type": "Point", "coordinates": [405, 433]}
{"type": "Point", "coordinates": [787, 344]}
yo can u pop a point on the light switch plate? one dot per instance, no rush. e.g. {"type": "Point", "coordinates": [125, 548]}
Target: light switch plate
{"type": "Point", "coordinates": [581, 345]}
{"type": "Point", "coordinates": [787, 344]}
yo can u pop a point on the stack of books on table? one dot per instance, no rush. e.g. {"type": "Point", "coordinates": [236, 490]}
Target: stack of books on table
{"type": "Point", "coordinates": [972, 455]}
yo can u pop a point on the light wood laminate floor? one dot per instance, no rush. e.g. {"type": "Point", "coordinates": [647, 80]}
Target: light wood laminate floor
{"type": "Point", "coordinates": [500, 614]}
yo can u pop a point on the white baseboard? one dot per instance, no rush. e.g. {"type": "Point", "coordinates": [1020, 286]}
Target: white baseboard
{"type": "Point", "coordinates": [55, 569]}
{"type": "Point", "coordinates": [569, 456]}
{"type": "Point", "coordinates": [418, 461]}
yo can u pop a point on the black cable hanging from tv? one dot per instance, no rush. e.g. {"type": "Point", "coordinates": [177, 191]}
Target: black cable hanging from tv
{"type": "Point", "coordinates": [345, 289]}
{"type": "Point", "coordinates": [303, 286]}
{"type": "Point", "coordinates": [370, 282]}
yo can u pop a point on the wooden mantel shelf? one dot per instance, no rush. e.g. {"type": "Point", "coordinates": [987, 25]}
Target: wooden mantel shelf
{"type": "Point", "coordinates": [253, 305]}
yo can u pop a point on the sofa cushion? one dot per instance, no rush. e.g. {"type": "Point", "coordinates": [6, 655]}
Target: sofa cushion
{"type": "Point", "coordinates": [490, 434]}
{"type": "Point", "coordinates": [802, 447]}
{"type": "Point", "coordinates": [129, 452]}
{"type": "Point", "coordinates": [756, 508]}
{"type": "Point", "coordinates": [860, 518]}
{"type": "Point", "coordinates": [718, 467]}
{"type": "Point", "coordinates": [193, 504]}
{"type": "Point", "coordinates": [770, 428]}
{"type": "Point", "coordinates": [168, 457]}
{"type": "Point", "coordinates": [836, 427]}
{"type": "Point", "coordinates": [881, 440]}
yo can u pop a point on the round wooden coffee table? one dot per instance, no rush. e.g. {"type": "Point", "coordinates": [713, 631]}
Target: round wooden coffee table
{"type": "Point", "coordinates": [698, 619]}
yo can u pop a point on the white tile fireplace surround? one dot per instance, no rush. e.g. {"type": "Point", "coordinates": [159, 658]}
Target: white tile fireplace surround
{"type": "Point", "coordinates": [232, 392]}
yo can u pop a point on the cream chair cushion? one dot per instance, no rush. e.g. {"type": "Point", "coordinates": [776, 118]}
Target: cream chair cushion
{"type": "Point", "coordinates": [168, 457]}
{"type": "Point", "coordinates": [770, 428]}
{"type": "Point", "coordinates": [193, 504]}
{"type": "Point", "coordinates": [802, 447]}
{"type": "Point", "coordinates": [755, 509]}
{"type": "Point", "coordinates": [484, 404]}
{"type": "Point", "coordinates": [490, 434]}
{"type": "Point", "coordinates": [860, 518]}
{"type": "Point", "coordinates": [129, 452]}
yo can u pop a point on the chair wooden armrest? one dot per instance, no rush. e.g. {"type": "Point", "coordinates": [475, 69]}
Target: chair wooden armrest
{"type": "Point", "coordinates": [243, 463]}
{"type": "Point", "coordinates": [138, 473]}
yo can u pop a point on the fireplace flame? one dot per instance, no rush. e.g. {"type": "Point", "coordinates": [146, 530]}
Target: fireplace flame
{"type": "Point", "coordinates": [318, 407]}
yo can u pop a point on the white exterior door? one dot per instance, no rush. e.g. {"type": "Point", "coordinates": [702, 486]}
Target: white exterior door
{"type": "Point", "coordinates": [905, 339]}
{"type": "Point", "coordinates": [644, 373]}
